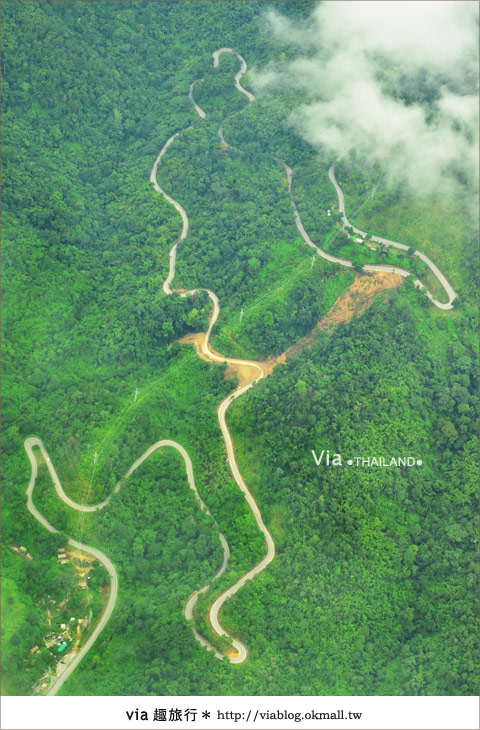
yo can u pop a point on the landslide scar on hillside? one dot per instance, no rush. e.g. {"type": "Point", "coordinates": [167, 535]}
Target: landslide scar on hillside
{"type": "Point", "coordinates": [351, 303]}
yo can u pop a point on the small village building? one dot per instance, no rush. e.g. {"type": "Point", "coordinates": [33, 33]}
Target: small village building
{"type": "Point", "coordinates": [23, 549]}
{"type": "Point", "coordinates": [34, 649]}
{"type": "Point", "coordinates": [359, 240]}
{"type": "Point", "coordinates": [28, 556]}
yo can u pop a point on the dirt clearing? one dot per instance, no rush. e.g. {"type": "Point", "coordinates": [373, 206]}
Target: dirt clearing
{"type": "Point", "coordinates": [351, 303]}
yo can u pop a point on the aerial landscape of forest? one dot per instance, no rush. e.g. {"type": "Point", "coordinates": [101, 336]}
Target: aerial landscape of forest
{"type": "Point", "coordinates": [238, 236]}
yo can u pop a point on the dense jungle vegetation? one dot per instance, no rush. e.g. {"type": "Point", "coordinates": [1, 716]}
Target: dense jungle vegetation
{"type": "Point", "coordinates": [372, 590]}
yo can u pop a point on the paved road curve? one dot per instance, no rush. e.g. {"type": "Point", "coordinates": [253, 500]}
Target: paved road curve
{"type": "Point", "coordinates": [270, 545]}
{"type": "Point", "coordinates": [101, 557]}
{"type": "Point", "coordinates": [367, 267]}
{"type": "Point", "coordinates": [241, 649]}
{"type": "Point", "coordinates": [178, 208]}
{"type": "Point", "coordinates": [238, 86]}
{"type": "Point", "coordinates": [77, 658]}
{"type": "Point", "coordinates": [223, 407]}
{"type": "Point", "coordinates": [386, 241]}
{"type": "Point", "coordinates": [198, 109]}
{"type": "Point", "coordinates": [241, 72]}
{"type": "Point", "coordinates": [301, 229]}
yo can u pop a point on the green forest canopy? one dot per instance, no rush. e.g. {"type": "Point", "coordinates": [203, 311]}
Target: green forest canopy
{"type": "Point", "coordinates": [371, 591]}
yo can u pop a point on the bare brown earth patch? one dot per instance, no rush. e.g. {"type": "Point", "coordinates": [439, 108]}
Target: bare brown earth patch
{"type": "Point", "coordinates": [351, 303]}
{"type": "Point", "coordinates": [231, 652]}
{"type": "Point", "coordinates": [244, 369]}
{"type": "Point", "coordinates": [81, 564]}
{"type": "Point", "coordinates": [197, 339]}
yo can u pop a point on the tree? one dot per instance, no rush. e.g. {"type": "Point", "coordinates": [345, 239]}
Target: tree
{"type": "Point", "coordinates": [301, 388]}
{"type": "Point", "coordinates": [448, 430]}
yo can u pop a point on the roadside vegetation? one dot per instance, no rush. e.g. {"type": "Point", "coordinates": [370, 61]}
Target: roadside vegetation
{"type": "Point", "coordinates": [370, 591]}
{"type": "Point", "coordinates": [441, 227]}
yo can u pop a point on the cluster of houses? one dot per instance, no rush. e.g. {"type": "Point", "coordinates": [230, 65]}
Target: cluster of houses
{"type": "Point", "coordinates": [62, 556]}
{"type": "Point", "coordinates": [21, 550]}
{"type": "Point", "coordinates": [357, 239]}
{"type": "Point", "coordinates": [65, 636]}
{"type": "Point", "coordinates": [52, 639]}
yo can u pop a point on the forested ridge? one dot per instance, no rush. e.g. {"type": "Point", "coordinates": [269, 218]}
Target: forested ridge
{"type": "Point", "coordinates": [375, 555]}
{"type": "Point", "coordinates": [372, 588]}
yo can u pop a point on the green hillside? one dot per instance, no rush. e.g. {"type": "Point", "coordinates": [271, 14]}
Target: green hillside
{"type": "Point", "coordinates": [372, 587]}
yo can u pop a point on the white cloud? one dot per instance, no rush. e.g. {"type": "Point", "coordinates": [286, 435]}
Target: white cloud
{"type": "Point", "coordinates": [365, 67]}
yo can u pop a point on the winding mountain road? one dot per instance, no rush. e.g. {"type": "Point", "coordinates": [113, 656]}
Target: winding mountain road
{"type": "Point", "coordinates": [301, 229]}
{"type": "Point", "coordinates": [209, 354]}
{"type": "Point", "coordinates": [238, 86]}
{"type": "Point", "coordinates": [239, 74]}
{"type": "Point", "coordinates": [33, 441]}
{"type": "Point", "coordinates": [368, 267]}
{"type": "Point", "coordinates": [256, 371]}
{"type": "Point", "coordinates": [178, 208]}
{"type": "Point", "coordinates": [29, 443]}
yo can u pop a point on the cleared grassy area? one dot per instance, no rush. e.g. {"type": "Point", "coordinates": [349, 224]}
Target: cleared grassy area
{"type": "Point", "coordinates": [14, 612]}
{"type": "Point", "coordinates": [233, 335]}
{"type": "Point", "coordinates": [438, 227]}
{"type": "Point", "coordinates": [369, 253]}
